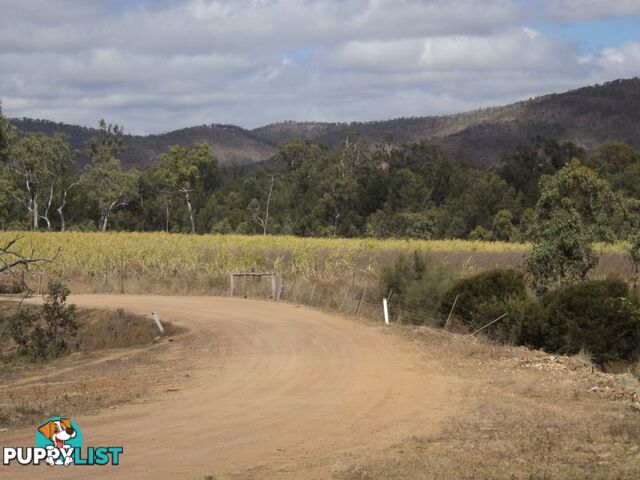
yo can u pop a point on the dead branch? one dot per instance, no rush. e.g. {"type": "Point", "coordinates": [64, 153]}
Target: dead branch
{"type": "Point", "coordinates": [17, 261]}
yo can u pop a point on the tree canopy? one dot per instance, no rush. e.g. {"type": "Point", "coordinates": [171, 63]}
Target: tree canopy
{"type": "Point", "coordinates": [356, 190]}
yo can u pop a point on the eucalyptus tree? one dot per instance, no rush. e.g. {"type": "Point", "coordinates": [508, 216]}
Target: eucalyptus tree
{"type": "Point", "coordinates": [576, 207]}
{"type": "Point", "coordinates": [182, 168]}
{"type": "Point", "coordinates": [108, 186]}
{"type": "Point", "coordinates": [37, 162]}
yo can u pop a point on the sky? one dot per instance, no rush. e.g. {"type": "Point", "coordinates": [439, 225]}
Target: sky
{"type": "Point", "coordinates": [155, 66]}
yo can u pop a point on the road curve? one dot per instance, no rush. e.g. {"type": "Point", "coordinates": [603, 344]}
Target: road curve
{"type": "Point", "coordinates": [276, 391]}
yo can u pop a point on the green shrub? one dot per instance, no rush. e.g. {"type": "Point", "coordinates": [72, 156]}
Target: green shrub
{"type": "Point", "coordinates": [484, 297]}
{"type": "Point", "coordinates": [508, 328]}
{"type": "Point", "coordinates": [597, 316]}
{"type": "Point", "coordinates": [47, 333]}
{"type": "Point", "coordinates": [20, 329]}
{"type": "Point", "coordinates": [417, 288]}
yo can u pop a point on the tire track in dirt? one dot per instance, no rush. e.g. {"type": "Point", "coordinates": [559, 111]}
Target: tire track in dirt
{"type": "Point", "coordinates": [274, 391]}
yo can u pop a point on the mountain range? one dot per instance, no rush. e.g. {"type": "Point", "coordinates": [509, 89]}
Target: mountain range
{"type": "Point", "coordinates": [587, 116]}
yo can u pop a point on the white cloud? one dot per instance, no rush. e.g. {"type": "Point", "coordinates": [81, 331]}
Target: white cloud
{"type": "Point", "coordinates": [510, 50]}
{"type": "Point", "coordinates": [506, 50]}
{"type": "Point", "coordinates": [159, 65]}
{"type": "Point", "coordinates": [623, 61]}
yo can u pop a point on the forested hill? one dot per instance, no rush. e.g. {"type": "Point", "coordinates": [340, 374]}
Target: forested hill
{"type": "Point", "coordinates": [232, 144]}
{"type": "Point", "coordinates": [587, 116]}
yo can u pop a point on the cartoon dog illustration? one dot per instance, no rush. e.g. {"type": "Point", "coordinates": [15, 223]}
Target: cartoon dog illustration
{"type": "Point", "coordinates": [58, 432]}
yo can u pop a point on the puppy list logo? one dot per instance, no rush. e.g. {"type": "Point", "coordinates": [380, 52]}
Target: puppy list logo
{"type": "Point", "coordinates": [59, 443]}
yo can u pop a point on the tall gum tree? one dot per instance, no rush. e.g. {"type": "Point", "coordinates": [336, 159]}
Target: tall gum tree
{"type": "Point", "coordinates": [37, 162]}
{"type": "Point", "coordinates": [575, 208]}
{"type": "Point", "coordinates": [181, 170]}
{"type": "Point", "coordinates": [108, 185]}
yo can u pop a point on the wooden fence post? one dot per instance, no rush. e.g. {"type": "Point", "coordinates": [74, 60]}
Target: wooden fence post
{"type": "Point", "coordinates": [361, 298]}
{"type": "Point", "coordinates": [274, 288]}
{"type": "Point", "coordinates": [446, 324]}
{"type": "Point", "coordinates": [281, 288]}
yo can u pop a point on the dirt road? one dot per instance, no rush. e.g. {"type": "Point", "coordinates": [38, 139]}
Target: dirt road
{"type": "Point", "coordinates": [273, 391]}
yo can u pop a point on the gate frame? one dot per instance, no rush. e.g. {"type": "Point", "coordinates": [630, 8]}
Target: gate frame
{"type": "Point", "coordinates": [277, 282]}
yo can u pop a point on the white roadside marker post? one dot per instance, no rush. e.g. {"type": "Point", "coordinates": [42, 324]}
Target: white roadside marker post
{"type": "Point", "coordinates": [386, 311]}
{"type": "Point", "coordinates": [156, 319]}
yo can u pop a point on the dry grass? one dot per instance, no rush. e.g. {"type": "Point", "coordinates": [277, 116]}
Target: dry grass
{"type": "Point", "coordinates": [528, 420]}
{"type": "Point", "coordinates": [30, 405]}
{"type": "Point", "coordinates": [104, 329]}
{"type": "Point", "coordinates": [512, 442]}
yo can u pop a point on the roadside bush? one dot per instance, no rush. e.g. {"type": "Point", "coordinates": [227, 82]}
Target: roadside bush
{"type": "Point", "coordinates": [417, 288]}
{"type": "Point", "coordinates": [508, 329]}
{"type": "Point", "coordinates": [20, 330]}
{"type": "Point", "coordinates": [597, 316]}
{"type": "Point", "coordinates": [484, 297]}
{"type": "Point", "coordinates": [46, 333]}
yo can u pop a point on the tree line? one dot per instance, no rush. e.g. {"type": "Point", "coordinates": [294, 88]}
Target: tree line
{"type": "Point", "coordinates": [382, 190]}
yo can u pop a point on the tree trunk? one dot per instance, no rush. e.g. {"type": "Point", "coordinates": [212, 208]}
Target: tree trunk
{"type": "Point", "coordinates": [104, 220]}
{"type": "Point", "coordinates": [34, 209]}
{"type": "Point", "coordinates": [45, 217]}
{"type": "Point", "coordinates": [104, 217]}
{"type": "Point", "coordinates": [104, 214]}
{"type": "Point", "coordinates": [166, 229]}
{"type": "Point", "coordinates": [60, 210]}
{"type": "Point", "coordinates": [193, 222]}
{"type": "Point", "coordinates": [32, 206]}
{"type": "Point", "coordinates": [266, 210]}
{"type": "Point", "coordinates": [61, 214]}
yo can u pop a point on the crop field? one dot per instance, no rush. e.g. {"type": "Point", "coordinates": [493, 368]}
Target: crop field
{"type": "Point", "coordinates": [337, 274]}
{"type": "Point", "coordinates": [176, 254]}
